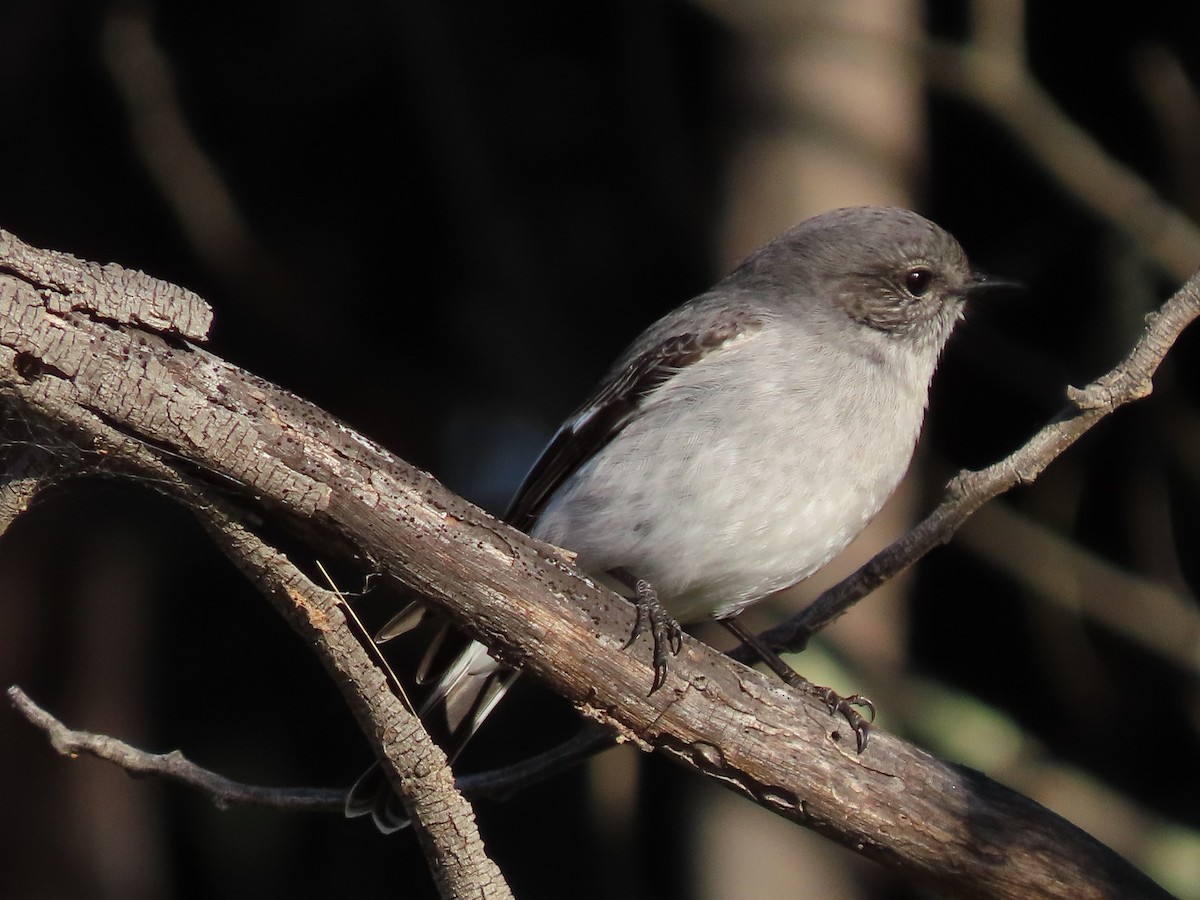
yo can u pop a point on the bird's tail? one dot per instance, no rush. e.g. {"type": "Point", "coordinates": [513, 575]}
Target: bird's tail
{"type": "Point", "coordinates": [465, 693]}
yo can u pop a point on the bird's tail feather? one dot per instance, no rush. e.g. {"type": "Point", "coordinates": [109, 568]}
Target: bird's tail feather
{"type": "Point", "coordinates": [403, 622]}
{"type": "Point", "coordinates": [466, 692]}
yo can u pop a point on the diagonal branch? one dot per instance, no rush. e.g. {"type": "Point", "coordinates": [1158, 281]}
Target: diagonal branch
{"type": "Point", "coordinates": [417, 768]}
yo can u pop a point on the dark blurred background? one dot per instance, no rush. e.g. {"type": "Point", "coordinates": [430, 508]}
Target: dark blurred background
{"type": "Point", "coordinates": [441, 221]}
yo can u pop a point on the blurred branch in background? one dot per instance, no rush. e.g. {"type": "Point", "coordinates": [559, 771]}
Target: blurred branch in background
{"type": "Point", "coordinates": [204, 207]}
{"type": "Point", "coordinates": [1159, 73]}
{"type": "Point", "coordinates": [991, 72]}
{"type": "Point", "coordinates": [1152, 614]}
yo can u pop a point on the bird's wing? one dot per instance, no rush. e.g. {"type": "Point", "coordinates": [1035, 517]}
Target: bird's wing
{"type": "Point", "coordinates": [589, 428]}
{"type": "Point", "coordinates": [614, 404]}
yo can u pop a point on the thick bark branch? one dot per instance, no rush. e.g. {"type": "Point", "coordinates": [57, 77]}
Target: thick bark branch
{"type": "Point", "coordinates": [442, 819]}
{"type": "Point", "coordinates": [417, 768]}
{"type": "Point", "coordinates": [940, 824]}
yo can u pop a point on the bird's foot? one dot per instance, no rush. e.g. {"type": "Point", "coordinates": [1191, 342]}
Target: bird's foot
{"type": "Point", "coordinates": [652, 616]}
{"type": "Point", "coordinates": [843, 706]}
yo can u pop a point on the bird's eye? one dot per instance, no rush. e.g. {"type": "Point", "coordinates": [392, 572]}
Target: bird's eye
{"type": "Point", "coordinates": [918, 280]}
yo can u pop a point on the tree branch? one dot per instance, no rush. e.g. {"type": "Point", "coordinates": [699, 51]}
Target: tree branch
{"type": "Point", "coordinates": [28, 472]}
{"type": "Point", "coordinates": [417, 768]}
{"type": "Point", "coordinates": [174, 766]}
{"type": "Point", "coordinates": [941, 825]}
{"type": "Point", "coordinates": [225, 793]}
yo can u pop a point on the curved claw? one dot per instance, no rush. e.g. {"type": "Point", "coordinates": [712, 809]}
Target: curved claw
{"type": "Point", "coordinates": [862, 732]}
{"type": "Point", "coordinates": [859, 700]}
{"type": "Point", "coordinates": [660, 676]}
{"type": "Point", "coordinates": [834, 702]}
{"type": "Point", "coordinates": [639, 625]}
{"type": "Point", "coordinates": [844, 707]}
{"type": "Point", "coordinates": [668, 639]}
{"type": "Point", "coordinates": [652, 615]}
{"type": "Point", "coordinates": [860, 726]}
{"type": "Point", "coordinates": [675, 633]}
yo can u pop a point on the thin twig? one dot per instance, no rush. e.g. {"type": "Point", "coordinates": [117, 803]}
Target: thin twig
{"type": "Point", "coordinates": [500, 784]}
{"type": "Point", "coordinates": [225, 793]}
{"type": "Point", "coordinates": [174, 766]}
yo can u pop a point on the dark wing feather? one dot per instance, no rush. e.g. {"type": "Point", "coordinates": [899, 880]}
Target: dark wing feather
{"type": "Point", "coordinates": [611, 408]}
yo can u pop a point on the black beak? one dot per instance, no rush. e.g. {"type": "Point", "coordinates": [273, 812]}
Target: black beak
{"type": "Point", "coordinates": [983, 283]}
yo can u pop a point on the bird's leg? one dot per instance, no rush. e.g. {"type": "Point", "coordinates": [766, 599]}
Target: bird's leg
{"type": "Point", "coordinates": [844, 706]}
{"type": "Point", "coordinates": [668, 636]}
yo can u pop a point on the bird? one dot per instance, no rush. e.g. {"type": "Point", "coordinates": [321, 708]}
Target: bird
{"type": "Point", "coordinates": [738, 444]}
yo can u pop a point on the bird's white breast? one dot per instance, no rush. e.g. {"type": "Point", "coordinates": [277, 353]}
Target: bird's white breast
{"type": "Point", "coordinates": [745, 472]}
